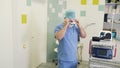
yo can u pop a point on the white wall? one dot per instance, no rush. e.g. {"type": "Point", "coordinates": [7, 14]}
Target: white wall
{"type": "Point", "coordinates": [92, 16]}
{"type": "Point", "coordinates": [6, 40]}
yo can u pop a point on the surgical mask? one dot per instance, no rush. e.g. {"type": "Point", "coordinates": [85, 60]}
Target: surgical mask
{"type": "Point", "coordinates": [72, 24]}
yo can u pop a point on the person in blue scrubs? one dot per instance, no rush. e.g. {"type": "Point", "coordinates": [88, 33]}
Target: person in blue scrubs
{"type": "Point", "coordinates": [68, 33]}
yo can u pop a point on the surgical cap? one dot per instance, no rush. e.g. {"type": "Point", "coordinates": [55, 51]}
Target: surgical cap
{"type": "Point", "coordinates": [70, 14]}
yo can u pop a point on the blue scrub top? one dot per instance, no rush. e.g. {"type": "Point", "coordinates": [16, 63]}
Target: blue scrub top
{"type": "Point", "coordinates": [67, 49]}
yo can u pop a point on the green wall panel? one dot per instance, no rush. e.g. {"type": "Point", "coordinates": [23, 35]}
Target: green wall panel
{"type": "Point", "coordinates": [54, 20]}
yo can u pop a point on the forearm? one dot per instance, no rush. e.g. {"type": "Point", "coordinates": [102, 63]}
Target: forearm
{"type": "Point", "coordinates": [82, 31]}
{"type": "Point", "coordinates": [59, 35]}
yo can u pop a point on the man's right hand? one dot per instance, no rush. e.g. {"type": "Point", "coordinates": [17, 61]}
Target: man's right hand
{"type": "Point", "coordinates": [60, 34]}
{"type": "Point", "coordinates": [66, 22]}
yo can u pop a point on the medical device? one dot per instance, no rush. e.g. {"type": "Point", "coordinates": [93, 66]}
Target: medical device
{"type": "Point", "coordinates": [103, 50]}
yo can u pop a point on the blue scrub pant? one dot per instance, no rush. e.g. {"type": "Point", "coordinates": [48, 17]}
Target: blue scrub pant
{"type": "Point", "coordinates": [67, 64]}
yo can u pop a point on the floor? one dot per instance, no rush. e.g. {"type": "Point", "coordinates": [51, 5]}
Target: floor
{"type": "Point", "coordinates": [52, 65]}
{"type": "Point", "coordinates": [81, 65]}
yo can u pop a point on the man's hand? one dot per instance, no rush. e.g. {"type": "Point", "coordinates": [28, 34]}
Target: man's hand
{"type": "Point", "coordinates": [82, 31]}
{"type": "Point", "coordinates": [66, 22]}
{"type": "Point", "coordinates": [77, 22]}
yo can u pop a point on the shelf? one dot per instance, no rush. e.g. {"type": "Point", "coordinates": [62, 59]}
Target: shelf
{"type": "Point", "coordinates": [112, 14]}
{"type": "Point", "coordinates": [112, 3]}
{"type": "Point", "coordinates": [116, 23]}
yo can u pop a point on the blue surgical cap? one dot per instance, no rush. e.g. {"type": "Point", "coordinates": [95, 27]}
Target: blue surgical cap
{"type": "Point", "coordinates": [70, 14]}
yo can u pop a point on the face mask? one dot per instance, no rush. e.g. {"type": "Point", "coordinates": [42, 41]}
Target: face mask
{"type": "Point", "coordinates": [72, 24]}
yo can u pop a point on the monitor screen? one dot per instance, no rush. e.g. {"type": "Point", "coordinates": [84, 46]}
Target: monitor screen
{"type": "Point", "coordinates": [102, 52]}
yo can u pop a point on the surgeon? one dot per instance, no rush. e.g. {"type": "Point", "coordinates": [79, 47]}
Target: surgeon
{"type": "Point", "coordinates": [68, 33]}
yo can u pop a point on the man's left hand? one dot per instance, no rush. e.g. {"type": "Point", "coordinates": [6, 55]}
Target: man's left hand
{"type": "Point", "coordinates": [77, 22]}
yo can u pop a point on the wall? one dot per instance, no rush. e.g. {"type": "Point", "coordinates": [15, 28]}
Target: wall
{"type": "Point", "coordinates": [6, 39]}
{"type": "Point", "coordinates": [88, 14]}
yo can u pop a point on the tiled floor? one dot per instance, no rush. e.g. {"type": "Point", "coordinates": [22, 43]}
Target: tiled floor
{"type": "Point", "coordinates": [52, 65]}
{"type": "Point", "coordinates": [81, 65]}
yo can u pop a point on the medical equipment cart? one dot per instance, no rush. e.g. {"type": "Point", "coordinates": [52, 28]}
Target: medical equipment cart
{"type": "Point", "coordinates": [101, 55]}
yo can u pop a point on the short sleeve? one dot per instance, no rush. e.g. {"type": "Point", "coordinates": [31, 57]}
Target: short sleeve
{"type": "Point", "coordinates": [57, 29]}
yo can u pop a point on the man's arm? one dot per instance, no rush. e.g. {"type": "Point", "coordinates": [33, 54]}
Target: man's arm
{"type": "Point", "coordinates": [59, 35]}
{"type": "Point", "coordinates": [82, 31]}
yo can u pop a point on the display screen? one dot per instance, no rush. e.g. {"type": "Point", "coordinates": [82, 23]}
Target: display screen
{"type": "Point", "coordinates": [102, 52]}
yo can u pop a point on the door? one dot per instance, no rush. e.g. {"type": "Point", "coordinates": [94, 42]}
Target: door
{"type": "Point", "coordinates": [38, 34]}
{"type": "Point", "coordinates": [21, 33]}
